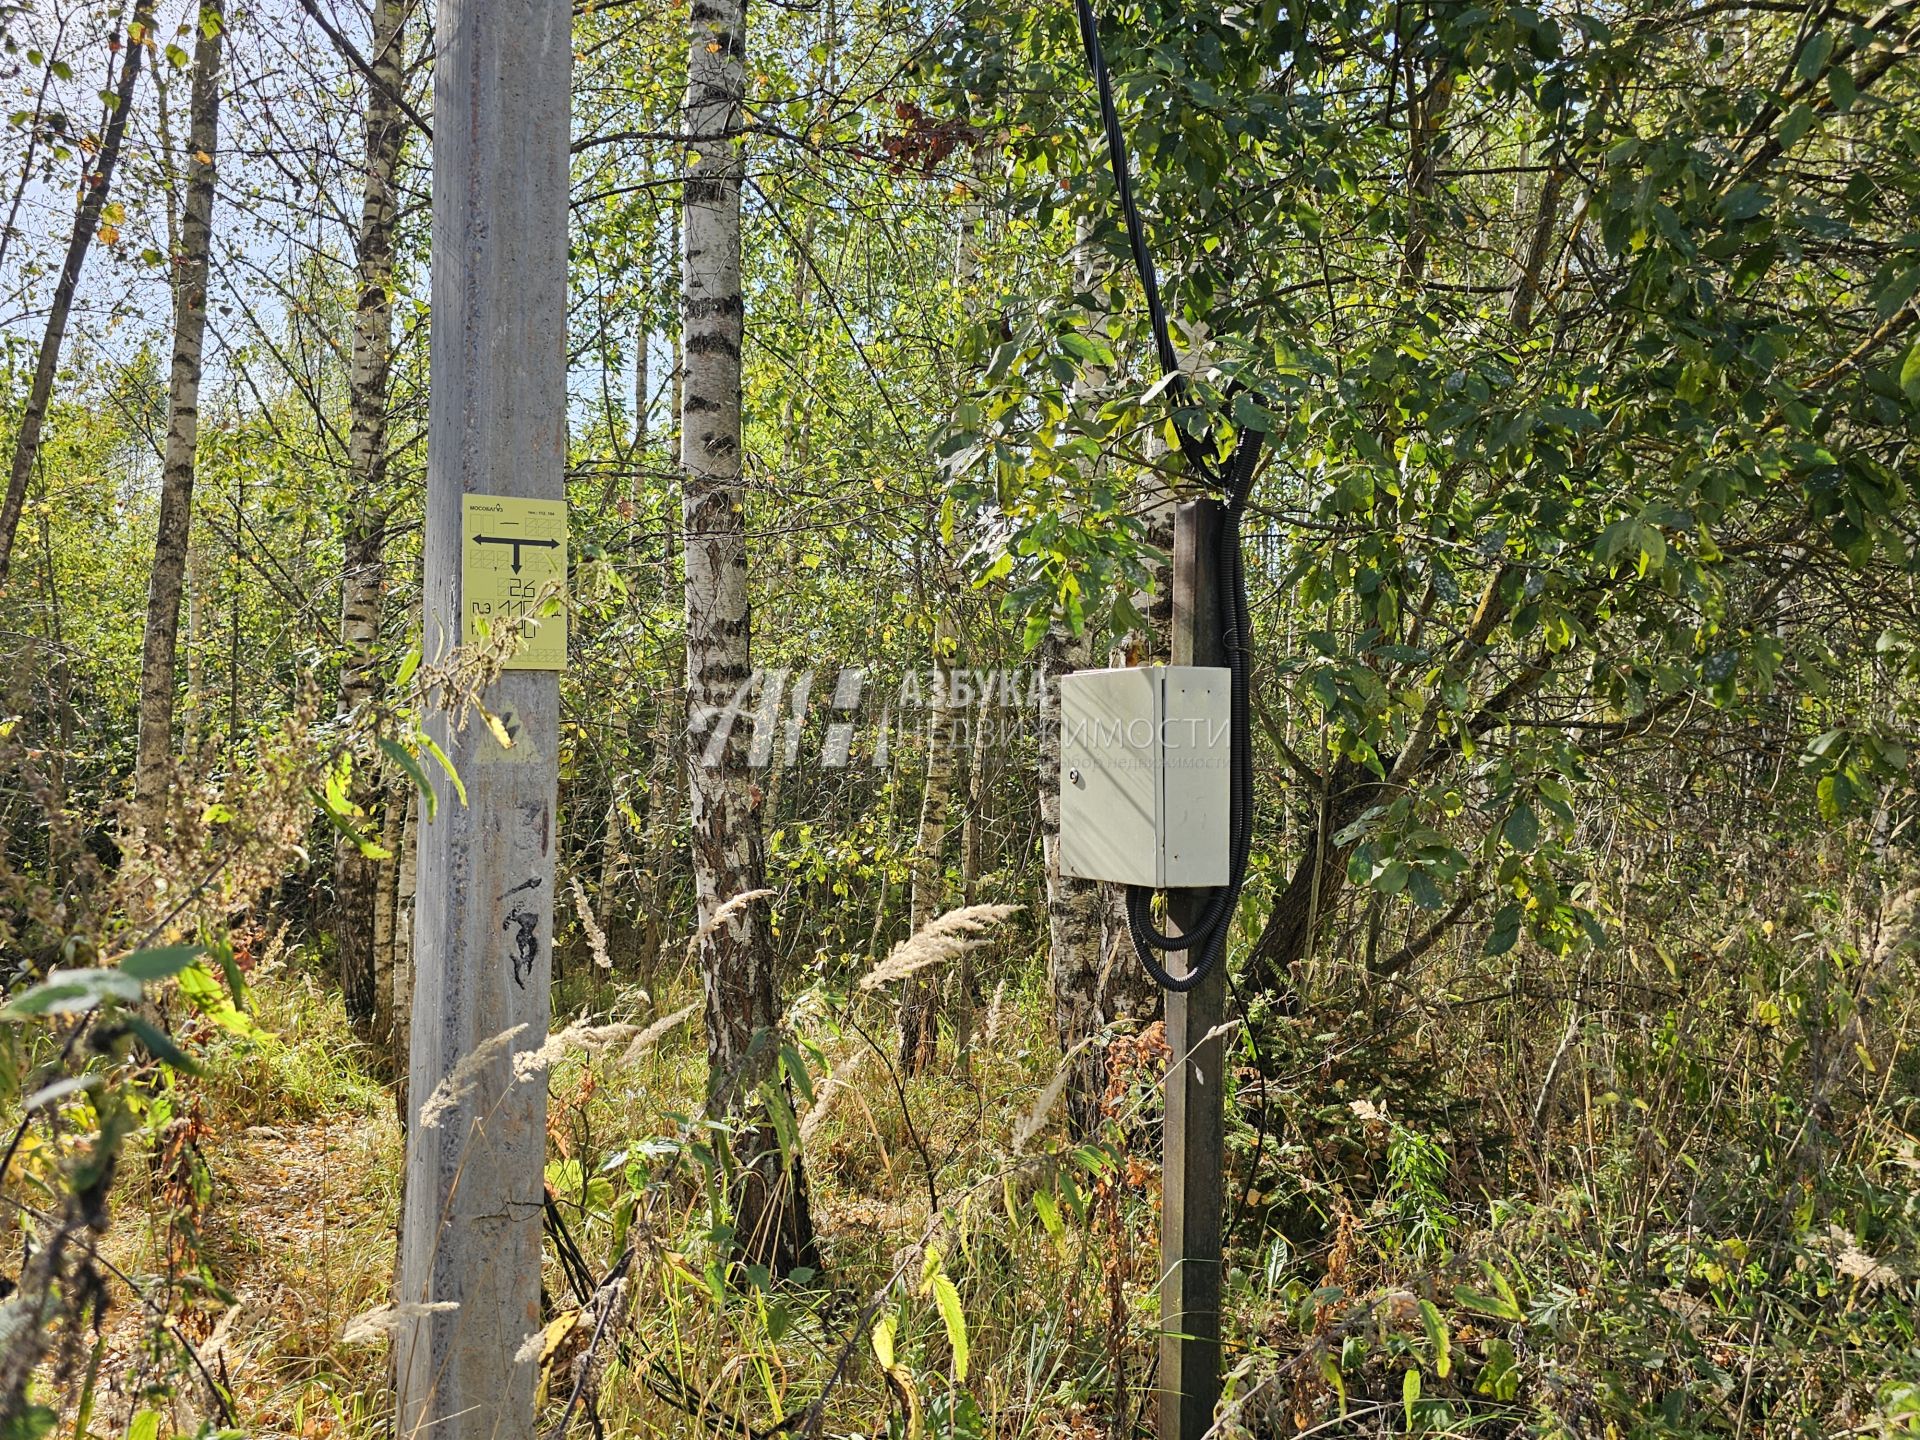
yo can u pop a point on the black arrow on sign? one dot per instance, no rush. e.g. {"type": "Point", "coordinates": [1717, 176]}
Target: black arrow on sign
{"type": "Point", "coordinates": [516, 542]}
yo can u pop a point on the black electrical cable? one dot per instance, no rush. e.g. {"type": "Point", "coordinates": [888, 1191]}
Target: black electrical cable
{"type": "Point", "coordinates": [1207, 938]}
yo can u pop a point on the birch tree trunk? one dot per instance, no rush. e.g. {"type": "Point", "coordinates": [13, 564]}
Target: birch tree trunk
{"type": "Point", "coordinates": [660, 842]}
{"type": "Point", "coordinates": [677, 401]}
{"type": "Point", "coordinates": [771, 1222]}
{"type": "Point", "coordinates": [919, 1022]}
{"type": "Point", "coordinates": [974, 824]}
{"type": "Point", "coordinates": [159, 653]}
{"type": "Point", "coordinates": [1073, 905]}
{"type": "Point", "coordinates": [196, 583]}
{"type": "Point", "coordinates": [363, 574]}
{"type": "Point", "coordinates": [613, 851]}
{"type": "Point", "coordinates": [96, 180]}
{"type": "Point", "coordinates": [965, 979]}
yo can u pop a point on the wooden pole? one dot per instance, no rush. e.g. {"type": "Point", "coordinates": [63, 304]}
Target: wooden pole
{"type": "Point", "coordinates": [471, 1228]}
{"type": "Point", "coordinates": [1195, 1122]}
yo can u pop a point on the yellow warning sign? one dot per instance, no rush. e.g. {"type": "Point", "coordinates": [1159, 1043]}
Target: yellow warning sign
{"type": "Point", "coordinates": [513, 572]}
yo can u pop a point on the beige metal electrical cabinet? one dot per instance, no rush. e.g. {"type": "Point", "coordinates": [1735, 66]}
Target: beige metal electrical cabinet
{"type": "Point", "coordinates": [1144, 775]}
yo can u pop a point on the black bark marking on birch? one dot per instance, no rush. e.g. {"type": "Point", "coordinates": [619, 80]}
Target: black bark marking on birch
{"type": "Point", "coordinates": [529, 884]}
{"type": "Point", "coordinates": [526, 941]}
{"type": "Point", "coordinates": [704, 307]}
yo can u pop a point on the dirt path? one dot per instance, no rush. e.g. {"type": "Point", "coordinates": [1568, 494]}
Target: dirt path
{"type": "Point", "coordinates": [296, 1227]}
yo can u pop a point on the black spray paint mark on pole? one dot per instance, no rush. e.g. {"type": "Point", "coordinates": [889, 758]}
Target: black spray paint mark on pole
{"type": "Point", "coordinates": [526, 943]}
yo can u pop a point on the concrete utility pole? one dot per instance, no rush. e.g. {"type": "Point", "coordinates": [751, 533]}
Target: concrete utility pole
{"type": "Point", "coordinates": [1195, 1128]}
{"type": "Point", "coordinates": [484, 917]}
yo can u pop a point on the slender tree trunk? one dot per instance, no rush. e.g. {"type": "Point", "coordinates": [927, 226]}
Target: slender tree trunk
{"type": "Point", "coordinates": [1526, 285]}
{"type": "Point", "coordinates": [613, 851]}
{"type": "Point", "coordinates": [771, 1222]}
{"type": "Point", "coordinates": [973, 825]}
{"type": "Point", "coordinates": [964, 976]}
{"type": "Point", "coordinates": [919, 1022]}
{"type": "Point", "coordinates": [664, 769]}
{"type": "Point", "coordinates": [196, 581]}
{"type": "Point", "coordinates": [1426, 114]}
{"type": "Point", "coordinates": [1304, 905]}
{"type": "Point", "coordinates": [154, 757]}
{"type": "Point", "coordinates": [1073, 905]}
{"type": "Point", "coordinates": [96, 180]}
{"type": "Point", "coordinates": [678, 397]}
{"type": "Point", "coordinates": [363, 574]}
{"type": "Point", "coordinates": [355, 875]}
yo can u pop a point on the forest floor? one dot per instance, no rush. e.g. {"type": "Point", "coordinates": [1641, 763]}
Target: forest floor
{"type": "Point", "coordinates": [1688, 1265]}
{"type": "Point", "coordinates": [265, 1218]}
{"type": "Point", "coordinates": [292, 1207]}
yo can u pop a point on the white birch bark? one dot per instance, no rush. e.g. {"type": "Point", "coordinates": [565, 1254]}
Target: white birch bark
{"type": "Point", "coordinates": [363, 573]}
{"type": "Point", "coordinates": [642, 412]}
{"type": "Point", "coordinates": [613, 850]}
{"type": "Point", "coordinates": [919, 1022]}
{"type": "Point", "coordinates": [159, 654]}
{"type": "Point", "coordinates": [736, 957]}
{"type": "Point", "coordinates": [1073, 905]}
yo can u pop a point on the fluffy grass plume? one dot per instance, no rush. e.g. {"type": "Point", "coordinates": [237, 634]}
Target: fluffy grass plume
{"type": "Point", "coordinates": [651, 1036]}
{"type": "Point", "coordinates": [596, 937]}
{"type": "Point", "coordinates": [383, 1320]}
{"type": "Point", "coordinates": [591, 1039]}
{"type": "Point", "coordinates": [946, 937]}
{"type": "Point", "coordinates": [448, 1095]}
{"type": "Point", "coordinates": [722, 913]}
